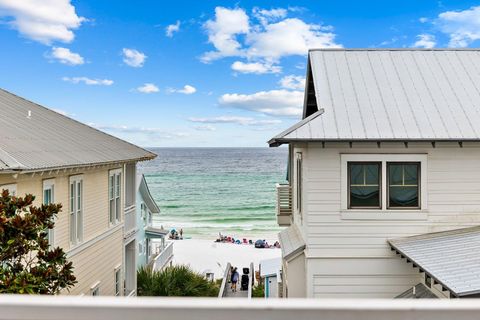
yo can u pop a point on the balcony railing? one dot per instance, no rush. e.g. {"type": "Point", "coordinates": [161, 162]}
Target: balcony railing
{"type": "Point", "coordinates": [130, 220]}
{"type": "Point", "coordinates": [164, 256]}
{"type": "Point", "coordinates": [284, 204]}
{"type": "Point", "coordinates": [22, 307]}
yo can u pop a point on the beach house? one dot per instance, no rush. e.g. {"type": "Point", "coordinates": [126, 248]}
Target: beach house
{"type": "Point", "coordinates": [383, 198]}
{"type": "Point", "coordinates": [92, 174]}
{"type": "Point", "coordinates": [153, 249]}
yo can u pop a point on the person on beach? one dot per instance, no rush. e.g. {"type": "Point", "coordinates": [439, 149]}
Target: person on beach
{"type": "Point", "coordinates": [235, 276]}
{"type": "Point", "coordinates": [181, 234]}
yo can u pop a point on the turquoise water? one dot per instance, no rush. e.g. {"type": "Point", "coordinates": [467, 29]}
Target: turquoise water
{"type": "Point", "coordinates": [210, 190]}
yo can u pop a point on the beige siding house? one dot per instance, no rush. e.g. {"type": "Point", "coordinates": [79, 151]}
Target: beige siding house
{"type": "Point", "coordinates": [92, 174]}
{"type": "Point", "coordinates": [388, 148]}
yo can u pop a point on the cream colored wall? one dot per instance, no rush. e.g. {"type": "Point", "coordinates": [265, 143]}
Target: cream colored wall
{"type": "Point", "coordinates": [350, 257]}
{"type": "Point", "coordinates": [294, 274]}
{"type": "Point", "coordinates": [92, 259]}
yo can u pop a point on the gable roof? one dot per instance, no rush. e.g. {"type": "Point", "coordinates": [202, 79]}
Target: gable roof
{"type": "Point", "coordinates": [390, 95]}
{"type": "Point", "coordinates": [142, 187]}
{"type": "Point", "coordinates": [450, 258]}
{"type": "Point", "coordinates": [33, 137]}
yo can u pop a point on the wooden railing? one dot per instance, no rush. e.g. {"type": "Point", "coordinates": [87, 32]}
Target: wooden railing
{"type": "Point", "coordinates": [284, 204]}
{"type": "Point", "coordinates": [23, 307]}
{"type": "Point", "coordinates": [226, 276]}
{"type": "Point", "coordinates": [162, 259]}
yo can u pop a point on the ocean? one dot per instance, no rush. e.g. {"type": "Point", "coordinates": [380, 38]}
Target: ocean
{"type": "Point", "coordinates": [205, 191]}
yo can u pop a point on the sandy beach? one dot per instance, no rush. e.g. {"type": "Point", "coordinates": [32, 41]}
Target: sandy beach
{"type": "Point", "coordinates": [203, 255]}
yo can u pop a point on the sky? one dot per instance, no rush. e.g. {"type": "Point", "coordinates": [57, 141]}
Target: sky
{"type": "Point", "coordinates": [200, 73]}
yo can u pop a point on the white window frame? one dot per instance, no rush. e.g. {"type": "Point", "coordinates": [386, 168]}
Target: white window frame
{"type": "Point", "coordinates": [384, 212]}
{"type": "Point", "coordinates": [115, 196]}
{"type": "Point", "coordinates": [299, 183]}
{"type": "Point", "coordinates": [76, 209]}
{"type": "Point", "coordinates": [118, 281]}
{"type": "Point", "coordinates": [49, 184]}
{"type": "Point", "coordinates": [95, 289]}
{"type": "Point", "coordinates": [12, 188]}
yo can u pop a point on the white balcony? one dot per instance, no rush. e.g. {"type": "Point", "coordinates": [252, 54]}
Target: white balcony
{"type": "Point", "coordinates": [284, 205]}
{"type": "Point", "coordinates": [22, 307]}
{"type": "Point", "coordinates": [164, 254]}
{"type": "Point", "coordinates": [130, 221]}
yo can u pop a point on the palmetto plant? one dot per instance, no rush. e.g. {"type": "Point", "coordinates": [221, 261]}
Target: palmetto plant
{"type": "Point", "coordinates": [178, 281]}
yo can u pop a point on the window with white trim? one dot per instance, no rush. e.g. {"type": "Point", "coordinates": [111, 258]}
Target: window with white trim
{"type": "Point", "coordinates": [118, 280]}
{"type": "Point", "coordinates": [298, 179]}
{"type": "Point", "coordinates": [12, 188]}
{"type": "Point", "coordinates": [76, 210]}
{"type": "Point", "coordinates": [95, 289]}
{"type": "Point", "coordinates": [48, 198]}
{"type": "Point", "coordinates": [114, 193]}
{"type": "Point", "coordinates": [384, 182]}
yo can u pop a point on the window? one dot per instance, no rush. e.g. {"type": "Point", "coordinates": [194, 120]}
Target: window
{"type": "Point", "coordinates": [403, 185]}
{"type": "Point", "coordinates": [12, 188]}
{"type": "Point", "coordinates": [114, 191]}
{"type": "Point", "coordinates": [149, 218]}
{"type": "Point", "coordinates": [118, 280]}
{"type": "Point", "coordinates": [95, 289]}
{"type": "Point", "coordinates": [364, 181]}
{"type": "Point", "coordinates": [373, 184]}
{"type": "Point", "coordinates": [299, 182]}
{"type": "Point", "coordinates": [140, 248]}
{"type": "Point", "coordinates": [76, 209]}
{"type": "Point", "coordinates": [49, 197]}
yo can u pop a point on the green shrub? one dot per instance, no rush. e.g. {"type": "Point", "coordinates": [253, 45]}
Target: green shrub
{"type": "Point", "coordinates": [258, 291]}
{"type": "Point", "coordinates": [174, 281]}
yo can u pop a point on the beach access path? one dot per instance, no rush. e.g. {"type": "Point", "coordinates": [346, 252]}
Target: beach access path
{"type": "Point", "coordinates": [209, 256]}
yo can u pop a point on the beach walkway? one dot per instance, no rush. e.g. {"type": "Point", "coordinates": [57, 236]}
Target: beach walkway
{"type": "Point", "coordinates": [226, 291]}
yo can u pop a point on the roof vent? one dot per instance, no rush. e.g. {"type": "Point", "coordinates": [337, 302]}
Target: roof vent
{"type": "Point", "coordinates": [29, 114]}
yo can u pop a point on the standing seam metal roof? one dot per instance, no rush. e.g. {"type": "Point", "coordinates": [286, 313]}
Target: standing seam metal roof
{"type": "Point", "coordinates": [49, 140]}
{"type": "Point", "coordinates": [451, 258]}
{"type": "Point", "coordinates": [393, 95]}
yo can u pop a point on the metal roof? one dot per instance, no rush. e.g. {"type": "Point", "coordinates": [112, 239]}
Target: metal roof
{"type": "Point", "coordinates": [392, 95]}
{"type": "Point", "coordinates": [152, 232]}
{"type": "Point", "coordinates": [417, 292]}
{"type": "Point", "coordinates": [450, 258]}
{"type": "Point", "coordinates": [142, 187]}
{"type": "Point", "coordinates": [33, 137]}
{"type": "Point", "coordinates": [270, 267]}
{"type": "Point", "coordinates": [291, 242]}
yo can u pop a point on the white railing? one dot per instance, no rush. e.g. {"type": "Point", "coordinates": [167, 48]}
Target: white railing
{"type": "Point", "coordinates": [22, 307]}
{"type": "Point", "coordinates": [223, 286]}
{"type": "Point", "coordinates": [130, 220]}
{"type": "Point", "coordinates": [162, 259]}
{"type": "Point", "coordinates": [284, 204]}
{"type": "Point", "coordinates": [251, 280]}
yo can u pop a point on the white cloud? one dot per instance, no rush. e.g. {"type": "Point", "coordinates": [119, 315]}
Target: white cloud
{"type": "Point", "coordinates": [463, 27]}
{"type": "Point", "coordinates": [187, 89]}
{"type": "Point", "coordinates": [274, 37]}
{"type": "Point", "coordinates": [89, 81]}
{"type": "Point", "coordinates": [148, 88]}
{"type": "Point", "coordinates": [65, 56]}
{"type": "Point", "coordinates": [151, 132]}
{"type": "Point", "coordinates": [244, 121]}
{"type": "Point", "coordinates": [223, 30]}
{"type": "Point", "coordinates": [423, 19]}
{"type": "Point", "coordinates": [293, 82]}
{"type": "Point", "coordinates": [425, 41]}
{"type": "Point", "coordinates": [172, 28]}
{"type": "Point", "coordinates": [205, 127]}
{"type": "Point", "coordinates": [266, 16]}
{"type": "Point", "coordinates": [255, 67]}
{"type": "Point", "coordinates": [133, 58]}
{"type": "Point", "coordinates": [44, 21]}
{"type": "Point", "coordinates": [274, 102]}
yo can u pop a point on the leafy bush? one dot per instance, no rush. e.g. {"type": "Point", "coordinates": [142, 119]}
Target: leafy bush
{"type": "Point", "coordinates": [177, 281]}
{"type": "Point", "coordinates": [258, 291]}
{"type": "Point", "coordinates": [27, 263]}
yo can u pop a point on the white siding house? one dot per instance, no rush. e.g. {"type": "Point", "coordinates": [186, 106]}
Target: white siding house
{"type": "Point", "coordinates": [388, 147]}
